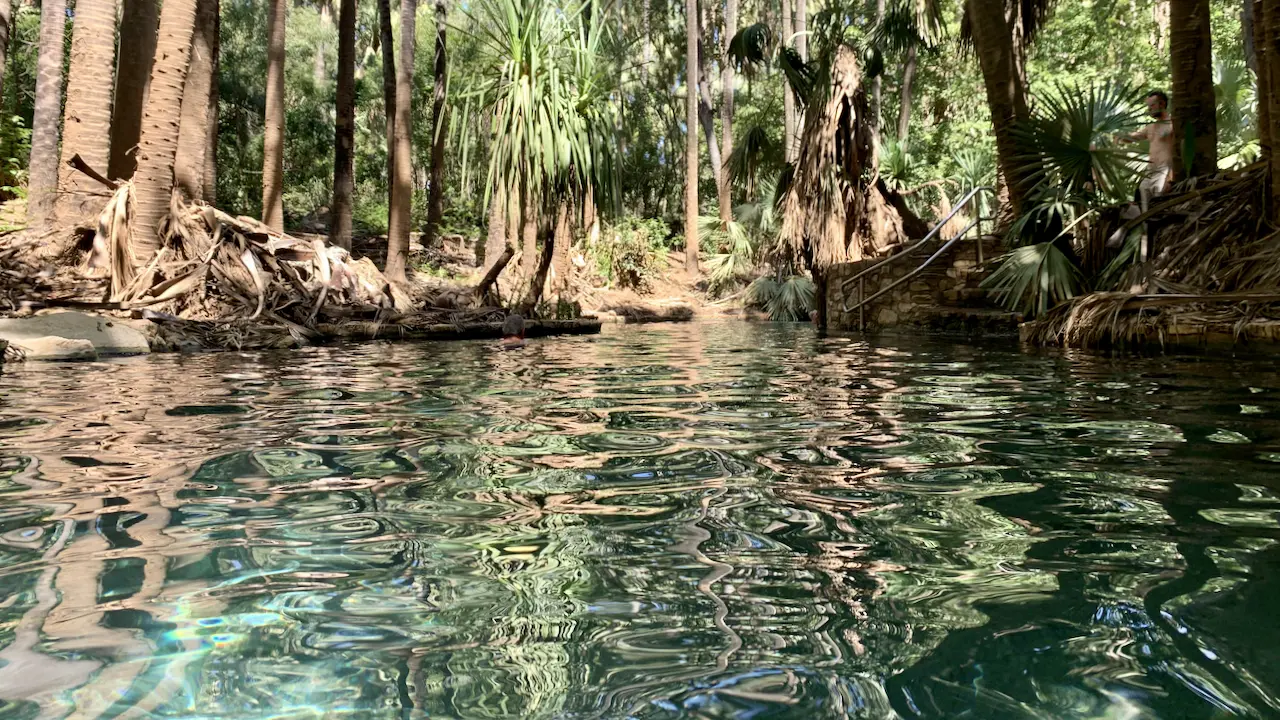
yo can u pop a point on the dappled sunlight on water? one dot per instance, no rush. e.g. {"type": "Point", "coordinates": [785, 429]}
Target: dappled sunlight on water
{"type": "Point", "coordinates": [709, 520]}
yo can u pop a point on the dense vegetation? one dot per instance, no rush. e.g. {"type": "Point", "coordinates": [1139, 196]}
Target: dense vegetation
{"type": "Point", "coordinates": [556, 113]}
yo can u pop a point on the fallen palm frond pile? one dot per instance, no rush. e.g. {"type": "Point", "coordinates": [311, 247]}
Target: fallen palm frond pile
{"type": "Point", "coordinates": [1215, 271]}
{"type": "Point", "coordinates": [217, 281]}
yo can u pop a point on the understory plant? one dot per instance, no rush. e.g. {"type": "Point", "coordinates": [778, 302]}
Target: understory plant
{"type": "Point", "coordinates": [1073, 164]}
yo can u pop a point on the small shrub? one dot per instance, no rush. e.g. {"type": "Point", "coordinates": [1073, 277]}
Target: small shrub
{"type": "Point", "coordinates": [629, 252]}
{"type": "Point", "coordinates": [788, 301]}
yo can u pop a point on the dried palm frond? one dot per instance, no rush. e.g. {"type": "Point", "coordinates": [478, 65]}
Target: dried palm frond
{"type": "Point", "coordinates": [1216, 270]}
{"type": "Point", "coordinates": [833, 212]}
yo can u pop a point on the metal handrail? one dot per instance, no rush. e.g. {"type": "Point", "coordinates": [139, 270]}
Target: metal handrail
{"type": "Point", "coordinates": [936, 229]}
{"type": "Point", "coordinates": [859, 278]}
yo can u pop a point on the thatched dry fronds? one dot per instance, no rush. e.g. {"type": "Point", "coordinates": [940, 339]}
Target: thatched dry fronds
{"type": "Point", "coordinates": [1216, 270]}
{"type": "Point", "coordinates": [834, 212]}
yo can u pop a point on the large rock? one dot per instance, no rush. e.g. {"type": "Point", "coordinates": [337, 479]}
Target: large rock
{"type": "Point", "coordinates": [108, 336]}
{"type": "Point", "coordinates": [51, 348]}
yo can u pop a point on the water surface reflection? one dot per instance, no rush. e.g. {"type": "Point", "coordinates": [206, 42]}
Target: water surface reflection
{"type": "Point", "coordinates": [716, 520]}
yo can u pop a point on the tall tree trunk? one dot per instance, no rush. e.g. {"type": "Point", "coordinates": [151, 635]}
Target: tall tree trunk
{"type": "Point", "coordinates": [647, 53]}
{"type": "Point", "coordinates": [705, 116]}
{"type": "Point", "coordinates": [402, 177]}
{"type": "Point", "coordinates": [800, 25]}
{"type": "Point", "coordinates": [388, 92]}
{"type": "Point", "coordinates": [1262, 76]}
{"type": "Point", "coordinates": [138, 21]}
{"type": "Point", "coordinates": [994, 43]}
{"type": "Point", "coordinates": [435, 198]}
{"type": "Point", "coordinates": [726, 108]}
{"type": "Point", "coordinates": [193, 135]}
{"type": "Point", "coordinates": [211, 137]}
{"type": "Point", "coordinates": [153, 181]}
{"type": "Point", "coordinates": [529, 239]}
{"type": "Point", "coordinates": [1270, 60]}
{"type": "Point", "coordinates": [42, 176]}
{"type": "Point", "coordinates": [344, 128]}
{"type": "Point", "coordinates": [789, 138]}
{"type": "Point", "coordinates": [904, 105]}
{"type": "Point", "coordinates": [6, 27]}
{"type": "Point", "coordinates": [273, 124]}
{"type": "Point", "coordinates": [320, 73]}
{"type": "Point", "coordinates": [877, 83]}
{"type": "Point", "coordinates": [86, 117]}
{"type": "Point", "coordinates": [691, 137]}
{"type": "Point", "coordinates": [1195, 120]}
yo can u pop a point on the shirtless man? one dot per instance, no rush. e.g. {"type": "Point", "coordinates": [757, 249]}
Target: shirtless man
{"type": "Point", "coordinates": [1159, 135]}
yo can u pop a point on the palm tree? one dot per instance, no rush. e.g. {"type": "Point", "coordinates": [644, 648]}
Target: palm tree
{"type": "Point", "coordinates": [193, 134]}
{"type": "Point", "coordinates": [996, 42]}
{"type": "Point", "coordinates": [907, 26]}
{"type": "Point", "coordinates": [344, 128]}
{"type": "Point", "coordinates": [435, 203]}
{"type": "Point", "coordinates": [553, 117]}
{"type": "Point", "coordinates": [691, 137]}
{"type": "Point", "coordinates": [402, 169]}
{"type": "Point", "coordinates": [42, 178]}
{"type": "Point", "coordinates": [153, 181]}
{"type": "Point", "coordinates": [86, 117]}
{"type": "Point", "coordinates": [138, 20]}
{"type": "Point", "coordinates": [273, 124]}
{"type": "Point", "coordinates": [1195, 125]}
{"type": "Point", "coordinates": [726, 109]}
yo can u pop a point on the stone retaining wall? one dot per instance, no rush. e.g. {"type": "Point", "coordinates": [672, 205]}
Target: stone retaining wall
{"type": "Point", "coordinates": [950, 281]}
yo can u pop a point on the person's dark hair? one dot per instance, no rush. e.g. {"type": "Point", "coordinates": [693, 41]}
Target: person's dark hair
{"type": "Point", "coordinates": [1159, 94]}
{"type": "Point", "coordinates": [513, 326]}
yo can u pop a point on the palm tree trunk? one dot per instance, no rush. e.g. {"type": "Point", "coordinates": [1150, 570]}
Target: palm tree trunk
{"type": "Point", "coordinates": [528, 239]}
{"type": "Point", "coordinates": [435, 204]}
{"type": "Point", "coordinates": [344, 128]}
{"type": "Point", "coordinates": [1271, 60]}
{"type": "Point", "coordinates": [538, 281]}
{"type": "Point", "coordinates": [1262, 75]}
{"type": "Point", "coordinates": [211, 137]}
{"type": "Point", "coordinates": [138, 21]}
{"type": "Point", "coordinates": [42, 176]}
{"type": "Point", "coordinates": [877, 83]}
{"type": "Point", "coordinates": [994, 44]}
{"type": "Point", "coordinates": [402, 177]}
{"type": "Point", "coordinates": [691, 137]}
{"type": "Point", "coordinates": [273, 124]}
{"type": "Point", "coordinates": [1195, 122]}
{"type": "Point", "coordinates": [705, 116]}
{"type": "Point", "coordinates": [320, 73]}
{"type": "Point", "coordinates": [193, 135]}
{"type": "Point", "coordinates": [153, 181]}
{"type": "Point", "coordinates": [788, 99]}
{"type": "Point", "coordinates": [86, 117]}
{"type": "Point", "coordinates": [904, 106]}
{"type": "Point", "coordinates": [726, 108]}
{"type": "Point", "coordinates": [388, 92]}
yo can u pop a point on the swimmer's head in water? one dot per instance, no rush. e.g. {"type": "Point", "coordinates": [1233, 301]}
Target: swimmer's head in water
{"type": "Point", "coordinates": [513, 326]}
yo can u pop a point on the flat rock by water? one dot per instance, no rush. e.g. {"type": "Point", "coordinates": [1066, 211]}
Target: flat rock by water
{"type": "Point", "coordinates": [104, 335]}
{"type": "Point", "coordinates": [51, 348]}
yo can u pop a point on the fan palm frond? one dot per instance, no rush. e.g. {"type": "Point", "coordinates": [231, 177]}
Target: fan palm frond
{"type": "Point", "coordinates": [801, 76]}
{"type": "Point", "coordinates": [1069, 140]}
{"type": "Point", "coordinates": [1033, 278]}
{"type": "Point", "coordinates": [754, 151]}
{"type": "Point", "coordinates": [751, 47]}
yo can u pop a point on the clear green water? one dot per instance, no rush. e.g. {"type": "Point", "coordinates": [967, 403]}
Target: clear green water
{"type": "Point", "coordinates": [705, 521]}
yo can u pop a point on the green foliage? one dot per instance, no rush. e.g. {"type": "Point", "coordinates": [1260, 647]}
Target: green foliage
{"type": "Point", "coordinates": [788, 301]}
{"type": "Point", "coordinates": [1068, 143]}
{"type": "Point", "coordinates": [630, 251]}
{"type": "Point", "coordinates": [896, 164]}
{"type": "Point", "coordinates": [1033, 278]}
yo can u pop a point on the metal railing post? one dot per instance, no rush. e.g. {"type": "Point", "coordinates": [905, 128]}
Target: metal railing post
{"type": "Point", "coordinates": [862, 321]}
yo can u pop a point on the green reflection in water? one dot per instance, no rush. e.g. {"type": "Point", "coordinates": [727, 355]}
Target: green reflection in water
{"type": "Point", "coordinates": [712, 520]}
